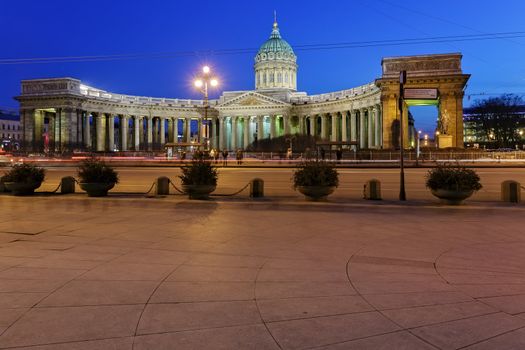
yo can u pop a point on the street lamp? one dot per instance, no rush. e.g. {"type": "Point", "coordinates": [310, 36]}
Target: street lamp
{"type": "Point", "coordinates": [401, 102]}
{"type": "Point", "coordinates": [201, 83]}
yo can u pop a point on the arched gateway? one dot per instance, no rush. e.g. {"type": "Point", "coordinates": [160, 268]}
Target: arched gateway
{"type": "Point", "coordinates": [431, 80]}
{"type": "Point", "coordinates": [64, 114]}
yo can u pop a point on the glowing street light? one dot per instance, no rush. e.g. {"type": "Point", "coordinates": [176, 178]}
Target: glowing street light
{"type": "Point", "coordinates": [202, 83]}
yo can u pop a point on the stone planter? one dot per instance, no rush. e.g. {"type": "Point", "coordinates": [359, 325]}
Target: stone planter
{"type": "Point", "coordinates": [316, 193]}
{"type": "Point", "coordinates": [22, 188]}
{"type": "Point", "coordinates": [94, 189]}
{"type": "Point", "coordinates": [199, 191]}
{"type": "Point", "coordinates": [451, 197]}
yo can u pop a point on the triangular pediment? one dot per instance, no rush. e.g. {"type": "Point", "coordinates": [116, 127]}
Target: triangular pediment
{"type": "Point", "coordinates": [253, 99]}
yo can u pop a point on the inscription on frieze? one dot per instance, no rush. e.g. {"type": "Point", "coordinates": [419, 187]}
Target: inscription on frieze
{"type": "Point", "coordinates": [427, 65]}
{"type": "Point", "coordinates": [42, 87]}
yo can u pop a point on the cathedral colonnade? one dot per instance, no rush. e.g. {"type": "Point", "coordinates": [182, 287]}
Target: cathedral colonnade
{"type": "Point", "coordinates": [77, 122]}
{"type": "Point", "coordinates": [66, 130]}
{"type": "Point", "coordinates": [360, 126]}
{"type": "Point", "coordinates": [63, 114]}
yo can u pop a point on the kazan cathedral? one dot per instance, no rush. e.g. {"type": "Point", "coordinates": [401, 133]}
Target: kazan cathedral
{"type": "Point", "coordinates": [63, 114]}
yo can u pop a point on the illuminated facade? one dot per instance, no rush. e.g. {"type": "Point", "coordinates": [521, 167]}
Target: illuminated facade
{"type": "Point", "coordinates": [77, 116]}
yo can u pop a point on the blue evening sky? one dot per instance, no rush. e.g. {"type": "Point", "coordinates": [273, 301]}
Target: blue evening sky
{"type": "Point", "coordinates": [38, 28]}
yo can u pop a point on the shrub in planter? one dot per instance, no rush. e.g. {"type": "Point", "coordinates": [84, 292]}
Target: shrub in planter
{"type": "Point", "coordinates": [199, 178]}
{"type": "Point", "coordinates": [452, 183]}
{"type": "Point", "coordinates": [96, 177]}
{"type": "Point", "coordinates": [315, 179]}
{"type": "Point", "coordinates": [23, 179]}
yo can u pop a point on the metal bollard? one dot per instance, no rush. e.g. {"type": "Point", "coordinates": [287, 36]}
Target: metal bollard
{"type": "Point", "coordinates": [2, 186]}
{"type": "Point", "coordinates": [511, 191]}
{"type": "Point", "coordinates": [163, 186]}
{"type": "Point", "coordinates": [67, 185]}
{"type": "Point", "coordinates": [257, 188]}
{"type": "Point", "coordinates": [372, 190]}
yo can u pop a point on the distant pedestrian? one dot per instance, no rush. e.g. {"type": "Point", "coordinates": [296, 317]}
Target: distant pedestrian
{"type": "Point", "coordinates": [239, 156]}
{"type": "Point", "coordinates": [212, 153]}
{"type": "Point", "coordinates": [308, 153]}
{"type": "Point", "coordinates": [323, 153]}
{"type": "Point", "coordinates": [289, 153]}
{"type": "Point", "coordinates": [225, 157]}
{"type": "Point", "coordinates": [216, 156]}
{"type": "Point", "coordinates": [339, 155]}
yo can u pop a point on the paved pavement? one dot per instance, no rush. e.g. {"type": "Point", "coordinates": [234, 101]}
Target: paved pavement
{"type": "Point", "coordinates": [136, 273]}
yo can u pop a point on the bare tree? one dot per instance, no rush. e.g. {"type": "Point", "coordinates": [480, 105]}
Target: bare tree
{"type": "Point", "coordinates": [499, 119]}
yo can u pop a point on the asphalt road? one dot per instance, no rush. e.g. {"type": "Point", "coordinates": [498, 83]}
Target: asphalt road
{"type": "Point", "coordinates": [278, 182]}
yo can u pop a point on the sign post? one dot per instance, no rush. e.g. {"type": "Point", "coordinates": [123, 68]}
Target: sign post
{"type": "Point", "coordinates": [402, 82]}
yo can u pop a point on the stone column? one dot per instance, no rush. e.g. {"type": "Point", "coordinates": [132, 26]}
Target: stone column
{"type": "Point", "coordinates": [142, 134]}
{"type": "Point", "coordinates": [286, 122]}
{"type": "Point", "coordinates": [162, 132]}
{"type": "Point", "coordinates": [149, 131]}
{"type": "Point", "coordinates": [301, 120]}
{"type": "Point", "coordinates": [38, 127]}
{"type": "Point", "coordinates": [68, 128]}
{"type": "Point", "coordinates": [353, 126]}
{"type": "Point", "coordinates": [260, 127]}
{"type": "Point", "coordinates": [324, 128]}
{"type": "Point", "coordinates": [175, 130]}
{"type": "Point", "coordinates": [222, 133]}
{"type": "Point", "coordinates": [246, 132]}
{"type": "Point", "coordinates": [273, 129]}
{"type": "Point", "coordinates": [187, 129]}
{"type": "Point", "coordinates": [101, 132]}
{"type": "Point", "coordinates": [57, 134]}
{"type": "Point", "coordinates": [136, 133]}
{"type": "Point", "coordinates": [200, 130]}
{"type": "Point", "coordinates": [26, 116]}
{"type": "Point", "coordinates": [379, 127]}
{"type": "Point", "coordinates": [362, 129]}
{"type": "Point", "coordinates": [170, 130]}
{"type": "Point", "coordinates": [344, 130]}
{"type": "Point", "coordinates": [87, 131]}
{"type": "Point", "coordinates": [111, 132]}
{"type": "Point", "coordinates": [234, 133]}
{"type": "Point", "coordinates": [154, 131]}
{"type": "Point", "coordinates": [313, 119]}
{"type": "Point", "coordinates": [334, 128]}
{"type": "Point", "coordinates": [371, 117]}
{"type": "Point", "coordinates": [213, 132]}
{"type": "Point", "coordinates": [51, 133]}
{"type": "Point", "coordinates": [124, 123]}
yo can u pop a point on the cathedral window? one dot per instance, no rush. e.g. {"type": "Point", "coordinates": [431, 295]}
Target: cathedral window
{"type": "Point", "coordinates": [279, 78]}
{"type": "Point", "coordinates": [286, 77]}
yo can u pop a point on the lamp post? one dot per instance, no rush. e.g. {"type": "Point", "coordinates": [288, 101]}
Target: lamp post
{"type": "Point", "coordinates": [402, 82]}
{"type": "Point", "coordinates": [202, 83]}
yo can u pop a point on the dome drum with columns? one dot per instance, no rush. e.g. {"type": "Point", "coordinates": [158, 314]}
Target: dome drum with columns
{"type": "Point", "coordinates": [64, 114]}
{"type": "Point", "coordinates": [275, 64]}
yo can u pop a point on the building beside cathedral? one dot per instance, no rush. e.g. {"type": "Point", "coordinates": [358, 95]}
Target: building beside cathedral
{"type": "Point", "coordinates": [64, 114]}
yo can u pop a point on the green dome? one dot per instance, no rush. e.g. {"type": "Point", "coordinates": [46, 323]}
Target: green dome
{"type": "Point", "coordinates": [275, 48]}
